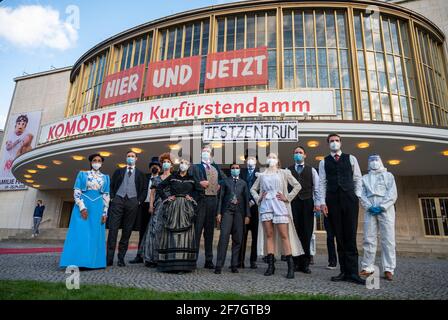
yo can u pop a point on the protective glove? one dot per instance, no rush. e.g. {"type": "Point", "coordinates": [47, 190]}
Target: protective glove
{"type": "Point", "coordinates": [374, 211]}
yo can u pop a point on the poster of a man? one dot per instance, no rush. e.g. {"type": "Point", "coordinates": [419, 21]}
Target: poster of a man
{"type": "Point", "coordinates": [22, 129]}
{"type": "Point", "coordinates": [19, 141]}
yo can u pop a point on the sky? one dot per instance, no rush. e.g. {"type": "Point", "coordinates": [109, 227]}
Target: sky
{"type": "Point", "coordinates": [38, 35]}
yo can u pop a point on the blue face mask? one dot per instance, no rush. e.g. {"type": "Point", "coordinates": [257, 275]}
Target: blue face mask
{"type": "Point", "coordinates": [298, 157]}
{"type": "Point", "coordinates": [205, 156]}
{"type": "Point", "coordinates": [235, 172]}
{"type": "Point", "coordinates": [130, 161]}
{"type": "Point", "coordinates": [166, 165]}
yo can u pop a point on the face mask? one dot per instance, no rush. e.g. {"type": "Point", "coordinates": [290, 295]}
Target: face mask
{"type": "Point", "coordinates": [335, 146]}
{"type": "Point", "coordinates": [166, 166]}
{"type": "Point", "coordinates": [298, 157]}
{"type": "Point", "coordinates": [272, 162]}
{"type": "Point", "coordinates": [154, 170]}
{"type": "Point", "coordinates": [130, 161]}
{"type": "Point", "coordinates": [251, 163]}
{"type": "Point", "coordinates": [183, 167]}
{"type": "Point", "coordinates": [235, 172]}
{"type": "Point", "coordinates": [96, 166]}
{"type": "Point", "coordinates": [375, 165]}
{"type": "Point", "coordinates": [205, 156]}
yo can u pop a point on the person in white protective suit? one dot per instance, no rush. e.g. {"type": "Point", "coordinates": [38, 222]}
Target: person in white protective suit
{"type": "Point", "coordinates": [379, 194]}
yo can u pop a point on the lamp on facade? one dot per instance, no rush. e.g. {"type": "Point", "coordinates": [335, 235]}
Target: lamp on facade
{"type": "Point", "coordinates": [394, 162]}
{"type": "Point", "coordinates": [409, 148]}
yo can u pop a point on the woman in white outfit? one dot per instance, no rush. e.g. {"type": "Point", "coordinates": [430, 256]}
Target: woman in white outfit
{"type": "Point", "coordinates": [270, 191]}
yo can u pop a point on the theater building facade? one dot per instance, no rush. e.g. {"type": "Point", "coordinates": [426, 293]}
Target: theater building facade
{"type": "Point", "coordinates": [250, 75]}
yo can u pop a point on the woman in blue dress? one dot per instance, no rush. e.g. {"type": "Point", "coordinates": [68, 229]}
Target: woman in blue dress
{"type": "Point", "coordinates": [85, 245]}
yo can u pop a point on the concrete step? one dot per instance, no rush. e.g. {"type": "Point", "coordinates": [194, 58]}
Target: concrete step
{"type": "Point", "coordinates": [57, 236]}
{"type": "Point", "coordinates": [406, 246]}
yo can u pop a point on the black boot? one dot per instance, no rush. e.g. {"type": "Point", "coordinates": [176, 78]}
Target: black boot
{"type": "Point", "coordinates": [306, 265]}
{"type": "Point", "coordinates": [296, 263]}
{"type": "Point", "coordinates": [290, 262]}
{"type": "Point", "coordinates": [340, 277]}
{"type": "Point", "coordinates": [271, 268]}
{"type": "Point", "coordinates": [137, 259]}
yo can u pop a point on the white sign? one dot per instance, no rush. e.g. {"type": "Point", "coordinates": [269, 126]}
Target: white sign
{"type": "Point", "coordinates": [21, 137]}
{"type": "Point", "coordinates": [251, 131]}
{"type": "Point", "coordinates": [206, 106]}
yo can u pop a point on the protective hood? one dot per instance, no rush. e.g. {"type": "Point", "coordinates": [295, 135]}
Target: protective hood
{"type": "Point", "coordinates": [375, 164]}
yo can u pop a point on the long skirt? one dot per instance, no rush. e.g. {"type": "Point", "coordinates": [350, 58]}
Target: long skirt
{"type": "Point", "coordinates": [85, 244]}
{"type": "Point", "coordinates": [151, 239]}
{"type": "Point", "coordinates": [177, 251]}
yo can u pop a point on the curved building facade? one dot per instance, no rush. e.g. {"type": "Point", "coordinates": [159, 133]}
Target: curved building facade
{"type": "Point", "coordinates": [374, 72]}
{"type": "Point", "coordinates": [386, 66]}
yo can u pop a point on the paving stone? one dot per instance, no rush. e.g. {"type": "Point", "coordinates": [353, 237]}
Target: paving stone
{"type": "Point", "coordinates": [416, 278]}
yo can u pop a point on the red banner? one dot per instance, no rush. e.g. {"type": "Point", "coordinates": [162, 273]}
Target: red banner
{"type": "Point", "coordinates": [245, 67]}
{"type": "Point", "coordinates": [122, 86]}
{"type": "Point", "coordinates": [172, 76]}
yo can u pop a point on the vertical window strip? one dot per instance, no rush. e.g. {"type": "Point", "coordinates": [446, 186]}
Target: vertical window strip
{"type": "Point", "coordinates": [339, 90]}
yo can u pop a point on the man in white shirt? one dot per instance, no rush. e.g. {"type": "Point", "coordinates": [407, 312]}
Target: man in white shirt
{"type": "Point", "coordinates": [340, 190]}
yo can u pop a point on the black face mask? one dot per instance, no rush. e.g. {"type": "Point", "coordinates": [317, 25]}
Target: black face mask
{"type": "Point", "coordinates": [155, 170]}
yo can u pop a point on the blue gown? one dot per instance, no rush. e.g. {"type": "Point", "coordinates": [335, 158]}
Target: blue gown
{"type": "Point", "coordinates": [85, 244]}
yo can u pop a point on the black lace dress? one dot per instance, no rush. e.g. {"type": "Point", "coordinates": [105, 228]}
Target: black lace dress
{"type": "Point", "coordinates": [177, 249]}
{"type": "Point", "coordinates": [151, 239]}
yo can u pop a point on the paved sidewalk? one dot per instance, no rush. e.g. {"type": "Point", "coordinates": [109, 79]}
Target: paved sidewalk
{"type": "Point", "coordinates": [416, 278]}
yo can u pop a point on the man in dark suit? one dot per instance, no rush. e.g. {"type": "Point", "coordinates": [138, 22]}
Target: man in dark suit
{"type": "Point", "coordinates": [248, 175]}
{"type": "Point", "coordinates": [233, 212]}
{"type": "Point", "coordinates": [209, 175]}
{"type": "Point", "coordinates": [304, 205]}
{"type": "Point", "coordinates": [144, 214]}
{"type": "Point", "coordinates": [128, 189]}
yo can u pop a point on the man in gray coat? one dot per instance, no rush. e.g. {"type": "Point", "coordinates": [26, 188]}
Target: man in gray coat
{"type": "Point", "coordinates": [210, 176]}
{"type": "Point", "coordinates": [233, 210]}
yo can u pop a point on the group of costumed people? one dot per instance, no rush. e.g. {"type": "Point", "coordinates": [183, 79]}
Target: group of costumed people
{"type": "Point", "coordinates": [176, 208]}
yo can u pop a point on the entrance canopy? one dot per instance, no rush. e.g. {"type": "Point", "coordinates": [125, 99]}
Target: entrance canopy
{"type": "Point", "coordinates": [406, 150]}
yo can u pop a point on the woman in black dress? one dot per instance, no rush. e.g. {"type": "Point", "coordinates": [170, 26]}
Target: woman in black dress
{"type": "Point", "coordinates": [150, 242]}
{"type": "Point", "coordinates": [177, 250]}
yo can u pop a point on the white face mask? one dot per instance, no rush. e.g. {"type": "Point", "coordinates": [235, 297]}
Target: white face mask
{"type": "Point", "coordinates": [183, 167]}
{"type": "Point", "coordinates": [375, 165]}
{"type": "Point", "coordinates": [251, 163]}
{"type": "Point", "coordinates": [272, 162]}
{"type": "Point", "coordinates": [96, 166]}
{"type": "Point", "coordinates": [335, 146]}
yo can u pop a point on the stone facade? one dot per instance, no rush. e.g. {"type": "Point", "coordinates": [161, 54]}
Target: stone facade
{"type": "Point", "coordinates": [434, 10]}
{"type": "Point", "coordinates": [46, 92]}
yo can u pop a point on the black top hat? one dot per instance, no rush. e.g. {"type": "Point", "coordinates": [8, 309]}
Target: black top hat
{"type": "Point", "coordinates": [154, 161]}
